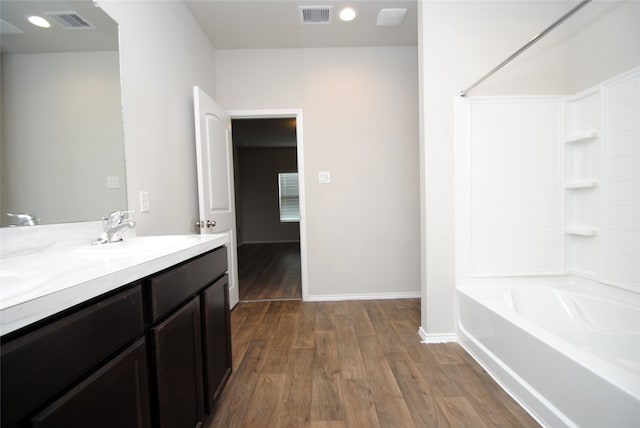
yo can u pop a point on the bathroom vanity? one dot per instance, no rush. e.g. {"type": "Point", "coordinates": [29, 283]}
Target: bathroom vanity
{"type": "Point", "coordinates": [153, 351]}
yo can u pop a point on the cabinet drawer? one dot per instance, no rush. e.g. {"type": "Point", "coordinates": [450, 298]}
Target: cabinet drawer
{"type": "Point", "coordinates": [170, 289]}
{"type": "Point", "coordinates": [42, 363]}
{"type": "Point", "coordinates": [117, 395]}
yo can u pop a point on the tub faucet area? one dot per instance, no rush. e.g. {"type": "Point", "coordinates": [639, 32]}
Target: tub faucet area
{"type": "Point", "coordinates": [114, 226]}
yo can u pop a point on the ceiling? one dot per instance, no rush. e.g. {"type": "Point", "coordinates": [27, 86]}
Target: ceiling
{"type": "Point", "coordinates": [229, 24]}
{"type": "Point", "coordinates": [31, 39]}
{"type": "Point", "coordinates": [267, 24]}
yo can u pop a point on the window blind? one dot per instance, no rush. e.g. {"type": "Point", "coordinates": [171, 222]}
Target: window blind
{"type": "Point", "coordinates": [288, 194]}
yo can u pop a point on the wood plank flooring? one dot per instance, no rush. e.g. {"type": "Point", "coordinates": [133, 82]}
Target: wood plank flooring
{"type": "Point", "coordinates": [269, 271]}
{"type": "Point", "coordinates": [353, 364]}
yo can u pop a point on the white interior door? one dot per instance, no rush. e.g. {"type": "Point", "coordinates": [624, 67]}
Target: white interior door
{"type": "Point", "coordinates": [214, 154]}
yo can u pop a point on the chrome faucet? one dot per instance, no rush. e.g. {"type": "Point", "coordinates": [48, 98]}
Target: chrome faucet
{"type": "Point", "coordinates": [114, 226]}
{"type": "Point", "coordinates": [25, 219]}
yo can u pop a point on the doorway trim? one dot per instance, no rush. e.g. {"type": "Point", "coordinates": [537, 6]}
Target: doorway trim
{"type": "Point", "coordinates": [289, 114]}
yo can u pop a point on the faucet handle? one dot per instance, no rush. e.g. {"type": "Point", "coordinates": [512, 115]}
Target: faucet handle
{"type": "Point", "coordinates": [120, 215]}
{"type": "Point", "coordinates": [115, 218]}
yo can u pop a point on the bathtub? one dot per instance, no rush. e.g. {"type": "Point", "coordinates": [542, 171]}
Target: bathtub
{"type": "Point", "coordinates": [569, 357]}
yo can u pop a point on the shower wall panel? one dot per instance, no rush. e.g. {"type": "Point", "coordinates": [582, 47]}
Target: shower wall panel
{"type": "Point", "coordinates": [621, 182]}
{"type": "Point", "coordinates": [514, 192]}
{"type": "Point", "coordinates": [582, 179]}
{"type": "Point", "coordinates": [602, 181]}
{"type": "Point", "coordinates": [551, 185]}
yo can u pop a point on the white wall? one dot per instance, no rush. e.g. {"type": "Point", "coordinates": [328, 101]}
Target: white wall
{"type": "Point", "coordinates": [360, 110]}
{"type": "Point", "coordinates": [61, 136]}
{"type": "Point", "coordinates": [459, 42]}
{"type": "Point", "coordinates": [607, 47]}
{"type": "Point", "coordinates": [163, 53]}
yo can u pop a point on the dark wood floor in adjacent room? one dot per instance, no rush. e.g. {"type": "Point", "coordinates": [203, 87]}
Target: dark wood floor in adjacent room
{"type": "Point", "coordinates": [353, 364]}
{"type": "Point", "coordinates": [269, 271]}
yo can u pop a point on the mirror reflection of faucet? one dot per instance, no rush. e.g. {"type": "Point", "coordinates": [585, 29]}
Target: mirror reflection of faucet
{"type": "Point", "coordinates": [24, 219]}
{"type": "Point", "coordinates": [114, 226]}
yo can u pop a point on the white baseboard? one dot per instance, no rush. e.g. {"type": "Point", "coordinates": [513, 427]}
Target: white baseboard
{"type": "Point", "coordinates": [367, 296]}
{"type": "Point", "coordinates": [437, 337]}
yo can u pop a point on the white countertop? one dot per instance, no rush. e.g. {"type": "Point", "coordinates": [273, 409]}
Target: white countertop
{"type": "Point", "coordinates": [42, 274]}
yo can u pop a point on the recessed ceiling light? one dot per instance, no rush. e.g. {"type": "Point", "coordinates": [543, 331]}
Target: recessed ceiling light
{"type": "Point", "coordinates": [38, 21]}
{"type": "Point", "coordinates": [348, 14]}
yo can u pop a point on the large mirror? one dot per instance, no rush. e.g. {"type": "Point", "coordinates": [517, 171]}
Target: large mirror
{"type": "Point", "coordinates": [62, 152]}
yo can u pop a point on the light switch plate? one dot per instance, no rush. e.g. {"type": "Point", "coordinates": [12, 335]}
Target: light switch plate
{"type": "Point", "coordinates": [113, 182]}
{"type": "Point", "coordinates": [144, 202]}
{"type": "Point", "coordinates": [324, 177]}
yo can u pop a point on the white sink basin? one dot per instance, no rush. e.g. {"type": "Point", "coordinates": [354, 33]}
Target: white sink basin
{"type": "Point", "coordinates": [138, 245]}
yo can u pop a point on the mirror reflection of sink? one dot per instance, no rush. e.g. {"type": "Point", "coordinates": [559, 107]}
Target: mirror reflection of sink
{"type": "Point", "coordinates": [137, 245]}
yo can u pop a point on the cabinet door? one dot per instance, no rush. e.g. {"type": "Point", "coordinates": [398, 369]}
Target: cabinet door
{"type": "Point", "coordinates": [117, 395]}
{"type": "Point", "coordinates": [177, 344]}
{"type": "Point", "coordinates": [217, 339]}
{"type": "Point", "coordinates": [39, 365]}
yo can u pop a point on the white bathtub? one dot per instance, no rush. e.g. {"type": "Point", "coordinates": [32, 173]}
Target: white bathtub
{"type": "Point", "coordinates": [570, 358]}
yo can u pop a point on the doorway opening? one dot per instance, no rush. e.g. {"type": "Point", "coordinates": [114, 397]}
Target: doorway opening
{"type": "Point", "coordinates": [269, 195]}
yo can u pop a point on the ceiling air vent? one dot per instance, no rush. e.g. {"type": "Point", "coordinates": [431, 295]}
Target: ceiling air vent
{"type": "Point", "coordinates": [7, 29]}
{"type": "Point", "coordinates": [316, 14]}
{"type": "Point", "coordinates": [69, 20]}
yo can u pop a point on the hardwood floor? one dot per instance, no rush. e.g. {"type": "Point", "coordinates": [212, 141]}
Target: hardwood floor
{"type": "Point", "coordinates": [353, 364]}
{"type": "Point", "coordinates": [269, 271]}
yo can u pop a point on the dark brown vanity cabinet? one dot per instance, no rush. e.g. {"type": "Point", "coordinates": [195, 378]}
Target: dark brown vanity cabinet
{"type": "Point", "coordinates": [73, 364]}
{"type": "Point", "coordinates": [156, 353]}
{"type": "Point", "coordinates": [190, 314]}
{"type": "Point", "coordinates": [117, 395]}
{"type": "Point", "coordinates": [178, 360]}
{"type": "Point", "coordinates": [216, 334]}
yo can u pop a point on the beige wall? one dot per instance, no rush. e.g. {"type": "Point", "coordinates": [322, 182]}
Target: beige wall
{"type": "Point", "coordinates": [163, 53]}
{"type": "Point", "coordinates": [61, 136]}
{"type": "Point", "coordinates": [360, 115]}
{"type": "Point", "coordinates": [459, 42]}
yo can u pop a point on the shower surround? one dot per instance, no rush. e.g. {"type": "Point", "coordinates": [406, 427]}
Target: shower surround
{"type": "Point", "coordinates": [548, 249]}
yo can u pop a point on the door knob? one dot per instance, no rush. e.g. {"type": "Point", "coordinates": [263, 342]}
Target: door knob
{"type": "Point", "coordinates": [200, 224]}
{"type": "Point", "coordinates": [211, 223]}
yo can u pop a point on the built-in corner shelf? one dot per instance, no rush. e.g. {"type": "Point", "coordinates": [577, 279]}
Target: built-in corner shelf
{"type": "Point", "coordinates": [587, 183]}
{"type": "Point", "coordinates": [580, 230]}
{"type": "Point", "coordinates": [581, 138]}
